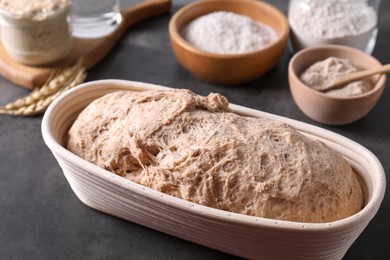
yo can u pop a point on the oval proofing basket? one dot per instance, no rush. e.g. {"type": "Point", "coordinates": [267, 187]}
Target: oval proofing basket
{"type": "Point", "coordinates": [241, 235]}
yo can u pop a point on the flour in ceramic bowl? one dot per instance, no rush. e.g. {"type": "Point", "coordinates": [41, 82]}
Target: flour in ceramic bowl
{"type": "Point", "coordinates": [323, 73]}
{"type": "Point", "coordinates": [228, 33]}
{"type": "Point", "coordinates": [347, 22]}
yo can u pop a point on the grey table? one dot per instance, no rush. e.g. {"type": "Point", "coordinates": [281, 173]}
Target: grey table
{"type": "Point", "coordinates": [41, 218]}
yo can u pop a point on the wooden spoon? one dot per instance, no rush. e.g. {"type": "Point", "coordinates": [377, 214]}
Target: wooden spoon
{"type": "Point", "coordinates": [356, 76]}
{"type": "Point", "coordinates": [92, 50]}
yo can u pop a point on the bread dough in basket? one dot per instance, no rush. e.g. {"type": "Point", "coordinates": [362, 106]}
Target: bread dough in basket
{"type": "Point", "coordinates": [195, 148]}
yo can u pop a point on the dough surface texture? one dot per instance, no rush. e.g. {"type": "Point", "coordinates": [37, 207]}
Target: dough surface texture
{"type": "Point", "coordinates": [195, 148]}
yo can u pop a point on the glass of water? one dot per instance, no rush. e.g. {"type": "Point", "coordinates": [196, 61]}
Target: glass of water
{"type": "Point", "coordinates": [94, 18]}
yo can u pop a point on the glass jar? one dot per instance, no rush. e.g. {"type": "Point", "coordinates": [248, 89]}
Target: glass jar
{"type": "Point", "coordinates": [36, 34]}
{"type": "Point", "coordinates": [344, 22]}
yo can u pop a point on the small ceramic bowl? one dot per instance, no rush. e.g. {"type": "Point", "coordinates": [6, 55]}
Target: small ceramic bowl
{"type": "Point", "coordinates": [228, 68]}
{"type": "Point", "coordinates": [322, 107]}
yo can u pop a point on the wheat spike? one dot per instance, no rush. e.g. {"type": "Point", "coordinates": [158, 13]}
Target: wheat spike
{"type": "Point", "coordinates": [40, 98]}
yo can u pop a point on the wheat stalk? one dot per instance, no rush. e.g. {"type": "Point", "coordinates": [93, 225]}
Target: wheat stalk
{"type": "Point", "coordinates": [40, 98]}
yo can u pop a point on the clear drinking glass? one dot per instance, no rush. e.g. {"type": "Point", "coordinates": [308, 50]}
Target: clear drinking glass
{"type": "Point", "coordinates": [346, 22]}
{"type": "Point", "coordinates": [94, 18]}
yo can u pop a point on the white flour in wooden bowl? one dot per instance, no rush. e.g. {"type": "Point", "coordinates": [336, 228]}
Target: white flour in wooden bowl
{"type": "Point", "coordinates": [228, 33]}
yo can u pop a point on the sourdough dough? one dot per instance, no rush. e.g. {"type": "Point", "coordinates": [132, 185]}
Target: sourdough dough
{"type": "Point", "coordinates": [195, 148]}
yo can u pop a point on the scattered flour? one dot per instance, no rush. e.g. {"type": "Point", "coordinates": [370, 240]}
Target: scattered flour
{"type": "Point", "coordinates": [228, 33]}
{"type": "Point", "coordinates": [322, 73]}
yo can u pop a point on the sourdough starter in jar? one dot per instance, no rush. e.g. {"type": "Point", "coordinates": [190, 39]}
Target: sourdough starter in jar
{"type": "Point", "coordinates": [35, 32]}
{"type": "Point", "coordinates": [346, 22]}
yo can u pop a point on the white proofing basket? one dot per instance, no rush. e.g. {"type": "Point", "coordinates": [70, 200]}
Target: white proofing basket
{"type": "Point", "coordinates": [241, 235]}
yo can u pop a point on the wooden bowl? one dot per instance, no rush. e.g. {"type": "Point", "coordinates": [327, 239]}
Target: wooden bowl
{"type": "Point", "coordinates": [228, 68]}
{"type": "Point", "coordinates": [328, 109]}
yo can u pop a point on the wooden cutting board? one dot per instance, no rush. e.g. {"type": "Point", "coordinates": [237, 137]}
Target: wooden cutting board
{"type": "Point", "coordinates": [92, 50]}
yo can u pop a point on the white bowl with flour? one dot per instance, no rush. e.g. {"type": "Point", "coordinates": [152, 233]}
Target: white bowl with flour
{"type": "Point", "coordinates": [345, 22]}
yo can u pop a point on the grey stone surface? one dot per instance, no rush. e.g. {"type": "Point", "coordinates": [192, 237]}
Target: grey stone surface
{"type": "Point", "coordinates": [41, 218]}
